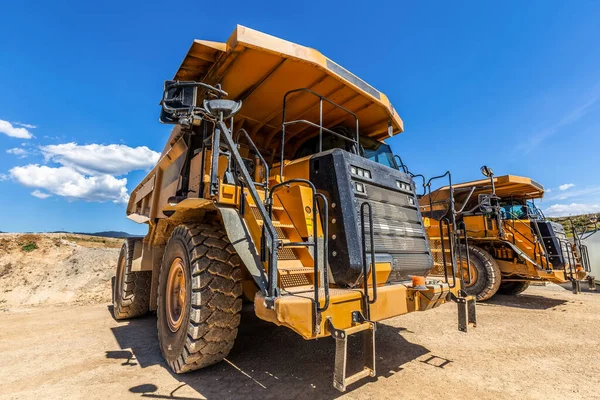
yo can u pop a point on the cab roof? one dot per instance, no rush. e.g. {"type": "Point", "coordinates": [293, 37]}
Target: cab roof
{"type": "Point", "coordinates": [507, 186]}
{"type": "Point", "coordinates": [259, 69]}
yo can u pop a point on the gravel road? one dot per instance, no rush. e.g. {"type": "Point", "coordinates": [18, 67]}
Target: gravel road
{"type": "Point", "coordinates": [540, 345]}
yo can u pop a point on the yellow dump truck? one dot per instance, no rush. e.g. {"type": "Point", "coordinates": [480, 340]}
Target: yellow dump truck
{"type": "Point", "coordinates": [276, 187]}
{"type": "Point", "coordinates": [510, 242]}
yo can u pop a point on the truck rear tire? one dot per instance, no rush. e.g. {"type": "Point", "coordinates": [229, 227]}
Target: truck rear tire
{"type": "Point", "coordinates": [199, 297]}
{"type": "Point", "coordinates": [131, 290]}
{"type": "Point", "coordinates": [513, 288]}
{"type": "Point", "coordinates": [485, 274]}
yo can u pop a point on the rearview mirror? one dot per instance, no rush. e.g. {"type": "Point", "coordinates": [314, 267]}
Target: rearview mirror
{"type": "Point", "coordinates": [487, 171]}
{"type": "Point", "coordinates": [485, 204]}
{"type": "Point", "coordinates": [177, 98]}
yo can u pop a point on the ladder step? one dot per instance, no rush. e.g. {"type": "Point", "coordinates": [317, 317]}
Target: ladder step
{"type": "Point", "coordinates": [276, 224]}
{"type": "Point", "coordinates": [366, 372]}
{"type": "Point", "coordinates": [340, 380]}
{"type": "Point", "coordinates": [287, 241]}
{"type": "Point", "coordinates": [275, 208]}
{"type": "Point", "coordinates": [293, 267]}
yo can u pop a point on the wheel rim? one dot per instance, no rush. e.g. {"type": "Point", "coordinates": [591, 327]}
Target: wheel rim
{"type": "Point", "coordinates": [465, 274]}
{"type": "Point", "coordinates": [175, 295]}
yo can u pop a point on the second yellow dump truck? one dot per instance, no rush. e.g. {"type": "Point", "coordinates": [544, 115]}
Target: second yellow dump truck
{"type": "Point", "coordinates": [276, 187]}
{"type": "Point", "coordinates": [510, 242]}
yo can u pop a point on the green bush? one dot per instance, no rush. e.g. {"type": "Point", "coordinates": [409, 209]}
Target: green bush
{"type": "Point", "coordinates": [31, 246]}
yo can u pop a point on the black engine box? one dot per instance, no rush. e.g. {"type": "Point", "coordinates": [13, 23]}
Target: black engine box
{"type": "Point", "coordinates": [398, 230]}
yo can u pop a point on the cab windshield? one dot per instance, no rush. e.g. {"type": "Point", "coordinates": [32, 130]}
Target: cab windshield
{"type": "Point", "coordinates": [519, 209]}
{"type": "Point", "coordinates": [534, 212]}
{"type": "Point", "coordinates": [379, 152]}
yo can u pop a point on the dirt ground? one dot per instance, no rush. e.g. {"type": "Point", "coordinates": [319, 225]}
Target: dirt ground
{"type": "Point", "coordinates": [55, 268]}
{"type": "Point", "coordinates": [58, 340]}
{"type": "Point", "coordinates": [542, 344]}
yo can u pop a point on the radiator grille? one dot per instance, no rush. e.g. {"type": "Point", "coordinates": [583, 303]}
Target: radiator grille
{"type": "Point", "coordinates": [397, 230]}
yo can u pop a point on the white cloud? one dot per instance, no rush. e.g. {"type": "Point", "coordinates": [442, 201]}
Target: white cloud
{"type": "Point", "coordinates": [17, 151]}
{"type": "Point", "coordinates": [566, 186]}
{"type": "Point", "coordinates": [564, 210]}
{"type": "Point", "coordinates": [67, 182]}
{"type": "Point", "coordinates": [4, 177]}
{"type": "Point", "coordinates": [28, 126]}
{"type": "Point", "coordinates": [10, 130]}
{"type": "Point", "coordinates": [579, 195]}
{"type": "Point", "coordinates": [98, 159]}
{"type": "Point", "coordinates": [40, 195]}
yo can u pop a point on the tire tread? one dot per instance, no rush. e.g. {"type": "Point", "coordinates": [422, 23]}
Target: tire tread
{"type": "Point", "coordinates": [215, 296]}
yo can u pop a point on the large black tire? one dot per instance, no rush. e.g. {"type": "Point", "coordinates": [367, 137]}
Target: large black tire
{"type": "Point", "coordinates": [513, 288]}
{"type": "Point", "coordinates": [487, 277]}
{"type": "Point", "coordinates": [211, 313]}
{"type": "Point", "coordinates": [131, 290]}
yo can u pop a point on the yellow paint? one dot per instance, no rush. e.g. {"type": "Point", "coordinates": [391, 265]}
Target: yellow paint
{"type": "Point", "coordinates": [296, 311]}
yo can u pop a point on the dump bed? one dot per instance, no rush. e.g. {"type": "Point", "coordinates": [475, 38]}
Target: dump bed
{"type": "Point", "coordinates": [260, 69]}
{"type": "Point", "coordinates": [506, 186]}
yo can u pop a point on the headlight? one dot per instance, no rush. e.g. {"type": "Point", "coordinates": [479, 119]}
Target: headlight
{"type": "Point", "coordinates": [364, 173]}
{"type": "Point", "coordinates": [403, 186]}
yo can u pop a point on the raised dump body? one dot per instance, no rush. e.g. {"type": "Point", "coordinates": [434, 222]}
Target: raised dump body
{"type": "Point", "coordinates": [276, 186]}
{"type": "Point", "coordinates": [511, 243]}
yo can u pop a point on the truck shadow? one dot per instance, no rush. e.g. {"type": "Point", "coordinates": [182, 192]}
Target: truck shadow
{"type": "Point", "coordinates": [266, 362]}
{"type": "Point", "coordinates": [526, 301]}
{"type": "Point", "coordinates": [584, 288]}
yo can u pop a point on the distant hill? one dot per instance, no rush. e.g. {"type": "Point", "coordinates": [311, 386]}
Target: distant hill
{"type": "Point", "coordinates": [582, 223]}
{"type": "Point", "coordinates": [109, 234]}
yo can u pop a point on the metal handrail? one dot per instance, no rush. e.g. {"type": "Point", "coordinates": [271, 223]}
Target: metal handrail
{"type": "Point", "coordinates": [258, 154]}
{"type": "Point", "coordinates": [537, 234]}
{"type": "Point", "coordinates": [569, 253]}
{"type": "Point", "coordinates": [285, 123]}
{"type": "Point", "coordinates": [453, 264]}
{"type": "Point", "coordinates": [268, 227]}
{"type": "Point", "coordinates": [560, 245]}
{"type": "Point", "coordinates": [454, 237]}
{"type": "Point", "coordinates": [463, 227]}
{"type": "Point", "coordinates": [402, 166]}
{"type": "Point", "coordinates": [368, 299]}
{"type": "Point", "coordinates": [585, 256]}
{"type": "Point", "coordinates": [314, 244]}
{"type": "Point", "coordinates": [581, 248]}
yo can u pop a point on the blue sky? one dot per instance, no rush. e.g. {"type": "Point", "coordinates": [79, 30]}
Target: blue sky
{"type": "Point", "coordinates": [514, 85]}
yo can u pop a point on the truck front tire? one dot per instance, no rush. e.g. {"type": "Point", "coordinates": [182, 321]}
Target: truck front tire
{"type": "Point", "coordinates": [199, 297]}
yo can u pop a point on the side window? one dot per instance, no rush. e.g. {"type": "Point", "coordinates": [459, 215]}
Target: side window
{"type": "Point", "coordinates": [514, 211]}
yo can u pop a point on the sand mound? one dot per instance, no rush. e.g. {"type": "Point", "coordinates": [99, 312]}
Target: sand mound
{"type": "Point", "coordinates": [52, 268]}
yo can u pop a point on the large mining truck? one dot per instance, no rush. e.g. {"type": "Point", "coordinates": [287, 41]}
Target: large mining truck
{"type": "Point", "coordinates": [510, 241]}
{"type": "Point", "coordinates": [275, 187]}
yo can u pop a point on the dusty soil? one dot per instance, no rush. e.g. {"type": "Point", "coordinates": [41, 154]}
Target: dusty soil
{"type": "Point", "coordinates": [542, 344]}
{"type": "Point", "coordinates": [54, 268]}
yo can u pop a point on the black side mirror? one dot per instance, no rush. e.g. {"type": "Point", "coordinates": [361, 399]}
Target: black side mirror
{"type": "Point", "coordinates": [487, 171]}
{"type": "Point", "coordinates": [485, 204]}
{"type": "Point", "coordinates": [178, 99]}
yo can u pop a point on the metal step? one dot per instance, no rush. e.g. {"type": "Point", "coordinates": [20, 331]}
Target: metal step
{"type": "Point", "coordinates": [466, 312]}
{"type": "Point", "coordinates": [275, 208]}
{"type": "Point", "coordinates": [276, 224]}
{"type": "Point", "coordinates": [368, 328]}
